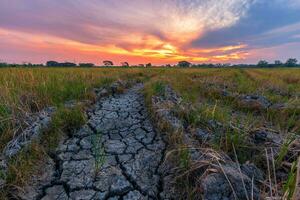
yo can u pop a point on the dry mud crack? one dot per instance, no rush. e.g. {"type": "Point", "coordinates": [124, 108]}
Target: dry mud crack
{"type": "Point", "coordinates": [116, 155]}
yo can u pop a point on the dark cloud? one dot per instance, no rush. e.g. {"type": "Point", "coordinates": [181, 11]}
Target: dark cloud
{"type": "Point", "coordinates": [255, 29]}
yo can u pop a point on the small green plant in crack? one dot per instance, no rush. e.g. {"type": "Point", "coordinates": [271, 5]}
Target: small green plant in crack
{"type": "Point", "coordinates": [184, 156]}
{"type": "Point", "coordinates": [2, 175]}
{"type": "Point", "coordinates": [290, 184]}
{"type": "Point", "coordinates": [283, 151]}
{"type": "Point", "coordinates": [98, 151]}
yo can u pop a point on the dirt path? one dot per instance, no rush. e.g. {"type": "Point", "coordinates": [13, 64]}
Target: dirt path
{"type": "Point", "coordinates": [115, 156]}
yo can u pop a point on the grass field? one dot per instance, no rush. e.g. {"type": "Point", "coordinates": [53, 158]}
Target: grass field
{"type": "Point", "coordinates": [25, 91]}
{"type": "Point", "coordinates": [28, 90]}
{"type": "Point", "coordinates": [210, 95]}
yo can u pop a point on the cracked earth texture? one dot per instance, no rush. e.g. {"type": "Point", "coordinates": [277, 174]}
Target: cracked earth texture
{"type": "Point", "coordinates": [116, 155]}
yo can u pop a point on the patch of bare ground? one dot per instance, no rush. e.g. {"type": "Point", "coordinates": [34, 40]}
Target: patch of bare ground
{"type": "Point", "coordinates": [115, 155]}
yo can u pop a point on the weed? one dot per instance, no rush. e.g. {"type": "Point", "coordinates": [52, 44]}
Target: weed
{"type": "Point", "coordinates": [98, 151]}
{"type": "Point", "coordinates": [190, 115]}
{"type": "Point", "coordinates": [2, 175]}
{"type": "Point", "coordinates": [184, 160]}
{"type": "Point", "coordinates": [283, 151]}
{"type": "Point", "coordinates": [290, 184]}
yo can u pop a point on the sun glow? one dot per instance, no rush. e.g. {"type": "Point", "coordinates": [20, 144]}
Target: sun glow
{"type": "Point", "coordinates": [140, 30]}
{"type": "Point", "coordinates": [144, 47]}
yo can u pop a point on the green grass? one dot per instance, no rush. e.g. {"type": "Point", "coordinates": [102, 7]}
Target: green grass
{"type": "Point", "coordinates": [64, 123]}
{"type": "Point", "coordinates": [98, 151]}
{"type": "Point", "coordinates": [283, 151]}
{"type": "Point", "coordinates": [23, 166]}
{"type": "Point", "coordinates": [31, 159]}
{"type": "Point", "coordinates": [203, 88]}
{"type": "Point", "coordinates": [202, 91]}
{"type": "Point", "coordinates": [290, 184]}
{"type": "Point", "coordinates": [28, 90]}
{"type": "Point", "coordinates": [158, 88]}
{"type": "Point", "coordinates": [184, 161]}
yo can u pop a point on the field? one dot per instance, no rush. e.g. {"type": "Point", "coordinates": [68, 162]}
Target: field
{"type": "Point", "coordinates": [258, 111]}
{"type": "Point", "coordinates": [25, 91]}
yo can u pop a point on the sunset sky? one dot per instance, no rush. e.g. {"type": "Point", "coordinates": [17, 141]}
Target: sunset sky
{"type": "Point", "coordinates": [156, 31]}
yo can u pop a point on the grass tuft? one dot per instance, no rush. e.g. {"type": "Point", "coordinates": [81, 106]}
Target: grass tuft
{"type": "Point", "coordinates": [22, 167]}
{"type": "Point", "coordinates": [64, 122]}
{"type": "Point", "coordinates": [158, 88]}
{"type": "Point", "coordinates": [30, 160]}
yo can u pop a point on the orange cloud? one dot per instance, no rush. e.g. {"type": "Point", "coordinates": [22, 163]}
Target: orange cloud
{"type": "Point", "coordinates": [131, 30]}
{"type": "Point", "coordinates": [140, 48]}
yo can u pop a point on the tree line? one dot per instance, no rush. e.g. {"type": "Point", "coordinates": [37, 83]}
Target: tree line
{"type": "Point", "coordinates": [291, 62]}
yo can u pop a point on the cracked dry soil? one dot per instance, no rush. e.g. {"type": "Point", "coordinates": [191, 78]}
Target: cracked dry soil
{"type": "Point", "coordinates": [116, 155]}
